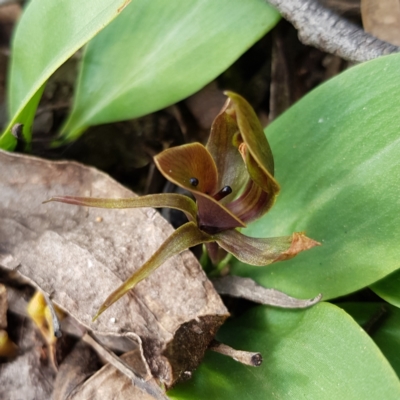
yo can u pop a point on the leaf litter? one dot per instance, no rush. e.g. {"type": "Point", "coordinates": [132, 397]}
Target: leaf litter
{"type": "Point", "coordinates": [78, 255]}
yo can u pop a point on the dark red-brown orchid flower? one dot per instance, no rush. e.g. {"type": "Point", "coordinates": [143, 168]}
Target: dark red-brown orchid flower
{"type": "Point", "coordinates": [231, 179]}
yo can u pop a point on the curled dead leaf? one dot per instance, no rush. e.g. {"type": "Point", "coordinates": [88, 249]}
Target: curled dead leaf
{"type": "Point", "coordinates": [77, 261]}
{"type": "Point", "coordinates": [246, 288]}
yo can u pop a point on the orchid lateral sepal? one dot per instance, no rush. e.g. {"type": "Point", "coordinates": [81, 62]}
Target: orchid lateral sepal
{"type": "Point", "coordinates": [188, 235]}
{"type": "Point", "coordinates": [261, 252]}
{"type": "Point", "coordinates": [167, 200]}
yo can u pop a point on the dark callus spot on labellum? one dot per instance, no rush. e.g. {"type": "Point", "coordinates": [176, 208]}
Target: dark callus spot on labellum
{"type": "Point", "coordinates": [194, 181]}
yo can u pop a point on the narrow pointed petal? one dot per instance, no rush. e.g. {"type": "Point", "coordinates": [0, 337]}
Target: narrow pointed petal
{"type": "Point", "coordinates": [262, 252]}
{"type": "Point", "coordinates": [163, 200]}
{"type": "Point", "coordinates": [223, 145]}
{"type": "Point", "coordinates": [186, 236]}
{"type": "Point", "coordinates": [184, 163]}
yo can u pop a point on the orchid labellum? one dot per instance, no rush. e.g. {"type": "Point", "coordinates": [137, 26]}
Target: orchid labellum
{"type": "Point", "coordinates": [232, 180]}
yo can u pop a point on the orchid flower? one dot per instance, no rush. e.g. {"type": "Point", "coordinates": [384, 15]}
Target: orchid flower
{"type": "Point", "coordinates": [232, 181]}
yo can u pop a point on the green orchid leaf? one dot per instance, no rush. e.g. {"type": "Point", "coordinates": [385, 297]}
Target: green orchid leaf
{"type": "Point", "coordinates": [382, 322]}
{"type": "Point", "coordinates": [159, 52]}
{"type": "Point", "coordinates": [191, 167]}
{"type": "Point", "coordinates": [163, 200]}
{"type": "Point", "coordinates": [316, 353]}
{"type": "Point", "coordinates": [337, 158]}
{"type": "Point", "coordinates": [388, 288]}
{"type": "Point", "coordinates": [38, 52]}
{"type": "Point", "coordinates": [266, 251]}
{"type": "Point", "coordinates": [186, 236]}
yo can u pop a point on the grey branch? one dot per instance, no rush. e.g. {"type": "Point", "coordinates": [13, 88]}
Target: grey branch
{"type": "Point", "coordinates": [246, 288]}
{"type": "Point", "coordinates": [320, 27]}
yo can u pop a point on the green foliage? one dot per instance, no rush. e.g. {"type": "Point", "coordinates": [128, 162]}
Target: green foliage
{"type": "Point", "coordinates": [337, 159]}
{"type": "Point", "coordinates": [383, 324]}
{"type": "Point", "coordinates": [47, 35]}
{"type": "Point", "coordinates": [388, 288]}
{"type": "Point", "coordinates": [318, 353]}
{"type": "Point", "coordinates": [158, 53]}
{"type": "Point", "coordinates": [153, 55]}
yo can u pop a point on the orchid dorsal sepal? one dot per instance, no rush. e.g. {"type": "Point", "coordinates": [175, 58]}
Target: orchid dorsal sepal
{"type": "Point", "coordinates": [261, 252]}
{"type": "Point", "coordinates": [162, 200]}
{"type": "Point", "coordinates": [188, 235]}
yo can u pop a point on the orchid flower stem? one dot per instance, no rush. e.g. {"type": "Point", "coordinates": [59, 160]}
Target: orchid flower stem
{"type": "Point", "coordinates": [205, 261]}
{"type": "Point", "coordinates": [220, 266]}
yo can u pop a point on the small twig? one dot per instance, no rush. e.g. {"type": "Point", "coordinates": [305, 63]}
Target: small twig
{"type": "Point", "coordinates": [320, 27]}
{"type": "Point", "coordinates": [244, 357]}
{"type": "Point", "coordinates": [126, 369]}
{"type": "Point", "coordinates": [246, 288]}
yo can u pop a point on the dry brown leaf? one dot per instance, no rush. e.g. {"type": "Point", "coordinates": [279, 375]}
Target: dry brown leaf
{"type": "Point", "coordinates": [131, 371]}
{"type": "Point", "coordinates": [78, 366]}
{"type": "Point", "coordinates": [28, 376]}
{"type": "Point", "coordinates": [381, 18]}
{"type": "Point", "coordinates": [246, 288]}
{"type": "Point", "coordinates": [109, 383]}
{"type": "Point", "coordinates": [78, 256]}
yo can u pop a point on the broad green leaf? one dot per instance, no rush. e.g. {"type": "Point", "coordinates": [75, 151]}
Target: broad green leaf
{"type": "Point", "coordinates": [337, 159]}
{"type": "Point", "coordinates": [47, 35]}
{"type": "Point", "coordinates": [318, 353]}
{"type": "Point", "coordinates": [383, 324]}
{"type": "Point", "coordinates": [159, 52]}
{"type": "Point", "coordinates": [389, 288]}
